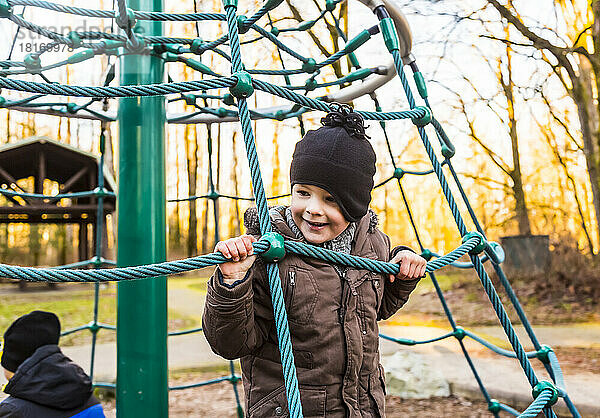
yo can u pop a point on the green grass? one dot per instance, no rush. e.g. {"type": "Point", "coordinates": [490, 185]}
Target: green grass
{"type": "Point", "coordinates": [197, 283]}
{"type": "Point", "coordinates": [199, 286]}
{"type": "Point", "coordinates": [74, 305]}
{"type": "Point", "coordinates": [74, 308]}
{"type": "Point", "coordinates": [445, 281]}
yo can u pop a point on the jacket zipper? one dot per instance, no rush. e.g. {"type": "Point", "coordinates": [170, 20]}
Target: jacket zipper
{"type": "Point", "coordinates": [292, 276]}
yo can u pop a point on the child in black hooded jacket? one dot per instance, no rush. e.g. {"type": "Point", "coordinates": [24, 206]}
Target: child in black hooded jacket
{"type": "Point", "coordinates": [42, 381]}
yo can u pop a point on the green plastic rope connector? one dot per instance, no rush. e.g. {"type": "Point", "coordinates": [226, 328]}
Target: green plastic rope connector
{"type": "Point", "coordinates": [230, 3]}
{"type": "Point", "coordinates": [93, 327]}
{"type": "Point", "coordinates": [2, 101]}
{"type": "Point", "coordinates": [172, 48]}
{"type": "Point", "coordinates": [274, 31]}
{"type": "Point", "coordinates": [280, 115]}
{"type": "Point", "coordinates": [81, 56]}
{"type": "Point", "coordinates": [353, 60]}
{"type": "Point", "coordinates": [222, 112]}
{"type": "Point", "coordinates": [358, 75]}
{"type": "Point", "coordinates": [5, 8]}
{"type": "Point", "coordinates": [97, 261]}
{"type": "Point", "coordinates": [243, 88]}
{"type": "Point", "coordinates": [111, 44]}
{"type": "Point", "coordinates": [448, 152]}
{"type": "Point", "coordinates": [459, 333]}
{"type": "Point", "coordinates": [74, 37]}
{"type": "Point", "coordinates": [494, 406]}
{"type": "Point", "coordinates": [357, 41]}
{"type": "Point", "coordinates": [543, 352]}
{"type": "Point", "coordinates": [306, 25]}
{"type": "Point", "coordinates": [309, 66]}
{"type": "Point", "coordinates": [159, 48]}
{"type": "Point", "coordinates": [102, 142]}
{"type": "Point", "coordinates": [330, 5]}
{"type": "Point", "coordinates": [310, 84]}
{"type": "Point", "coordinates": [545, 385]}
{"type": "Point", "coordinates": [100, 192]}
{"type": "Point", "coordinates": [196, 44]}
{"type": "Point", "coordinates": [170, 57]}
{"type": "Point", "coordinates": [71, 108]}
{"type": "Point", "coordinates": [271, 4]}
{"type": "Point", "coordinates": [399, 173]}
{"type": "Point", "coordinates": [190, 99]}
{"type": "Point", "coordinates": [228, 99]}
{"type": "Point", "coordinates": [276, 249]}
{"type": "Point", "coordinates": [198, 66]}
{"type": "Point", "coordinates": [479, 247]}
{"type": "Point", "coordinates": [427, 254]}
{"type": "Point", "coordinates": [241, 19]}
{"type": "Point", "coordinates": [423, 120]}
{"type": "Point", "coordinates": [421, 86]}
{"type": "Point", "coordinates": [390, 37]}
{"type": "Point", "coordinates": [32, 61]}
{"type": "Point", "coordinates": [213, 195]}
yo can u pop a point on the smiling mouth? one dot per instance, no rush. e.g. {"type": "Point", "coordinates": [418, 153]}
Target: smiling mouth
{"type": "Point", "coordinates": [316, 225]}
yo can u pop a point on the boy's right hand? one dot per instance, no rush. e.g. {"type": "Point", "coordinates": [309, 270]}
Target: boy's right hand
{"type": "Point", "coordinates": [241, 252]}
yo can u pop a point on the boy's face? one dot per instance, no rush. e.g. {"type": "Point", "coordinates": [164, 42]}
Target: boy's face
{"type": "Point", "coordinates": [8, 374]}
{"type": "Point", "coordinates": [316, 213]}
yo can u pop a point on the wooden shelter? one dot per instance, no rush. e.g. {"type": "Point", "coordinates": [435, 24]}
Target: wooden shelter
{"type": "Point", "coordinates": [42, 158]}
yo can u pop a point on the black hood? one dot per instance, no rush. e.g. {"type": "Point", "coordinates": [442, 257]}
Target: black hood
{"type": "Point", "coordinates": [51, 379]}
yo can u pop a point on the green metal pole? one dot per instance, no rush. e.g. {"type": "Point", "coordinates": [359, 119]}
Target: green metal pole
{"type": "Point", "coordinates": [142, 384]}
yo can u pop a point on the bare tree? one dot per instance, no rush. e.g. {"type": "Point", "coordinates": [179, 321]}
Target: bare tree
{"type": "Point", "coordinates": [501, 105]}
{"type": "Point", "coordinates": [562, 51]}
{"type": "Point", "coordinates": [577, 65]}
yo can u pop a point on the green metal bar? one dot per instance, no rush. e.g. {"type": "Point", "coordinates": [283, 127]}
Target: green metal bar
{"type": "Point", "coordinates": [142, 385]}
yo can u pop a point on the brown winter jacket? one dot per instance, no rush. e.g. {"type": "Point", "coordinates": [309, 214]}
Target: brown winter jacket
{"type": "Point", "coordinates": [333, 328]}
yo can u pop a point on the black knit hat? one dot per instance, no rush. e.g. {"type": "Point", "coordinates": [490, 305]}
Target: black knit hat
{"type": "Point", "coordinates": [338, 158]}
{"type": "Point", "coordinates": [27, 334]}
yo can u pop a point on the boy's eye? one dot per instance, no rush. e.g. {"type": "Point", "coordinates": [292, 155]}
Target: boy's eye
{"type": "Point", "coordinates": [302, 192]}
{"type": "Point", "coordinates": [330, 199]}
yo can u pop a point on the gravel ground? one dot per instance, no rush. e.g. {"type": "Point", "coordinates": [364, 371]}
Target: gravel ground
{"type": "Point", "coordinates": [218, 401]}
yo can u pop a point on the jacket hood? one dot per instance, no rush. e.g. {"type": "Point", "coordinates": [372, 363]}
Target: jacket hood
{"type": "Point", "coordinates": [51, 379]}
{"type": "Point", "coordinates": [367, 224]}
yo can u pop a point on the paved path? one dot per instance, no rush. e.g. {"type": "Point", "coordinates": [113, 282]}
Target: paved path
{"type": "Point", "coordinates": [509, 385]}
{"type": "Point", "coordinates": [502, 377]}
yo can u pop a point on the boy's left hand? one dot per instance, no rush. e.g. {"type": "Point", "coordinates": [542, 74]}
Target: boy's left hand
{"type": "Point", "coordinates": [412, 266]}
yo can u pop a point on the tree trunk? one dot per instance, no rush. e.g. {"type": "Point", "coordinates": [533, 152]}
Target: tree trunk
{"type": "Point", "coordinates": [581, 66]}
{"type": "Point", "coordinates": [516, 176]}
{"type": "Point", "coordinates": [176, 230]}
{"type": "Point", "coordinates": [7, 126]}
{"type": "Point", "coordinates": [235, 208]}
{"type": "Point", "coordinates": [205, 202]}
{"type": "Point", "coordinates": [191, 148]}
{"type": "Point", "coordinates": [62, 244]}
{"type": "Point", "coordinates": [585, 108]}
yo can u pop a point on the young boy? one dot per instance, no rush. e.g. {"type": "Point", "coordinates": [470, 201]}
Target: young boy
{"type": "Point", "coordinates": [42, 382]}
{"type": "Point", "coordinates": [332, 310]}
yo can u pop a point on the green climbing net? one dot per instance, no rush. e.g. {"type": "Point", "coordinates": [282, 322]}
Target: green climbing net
{"type": "Point", "coordinates": [231, 91]}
